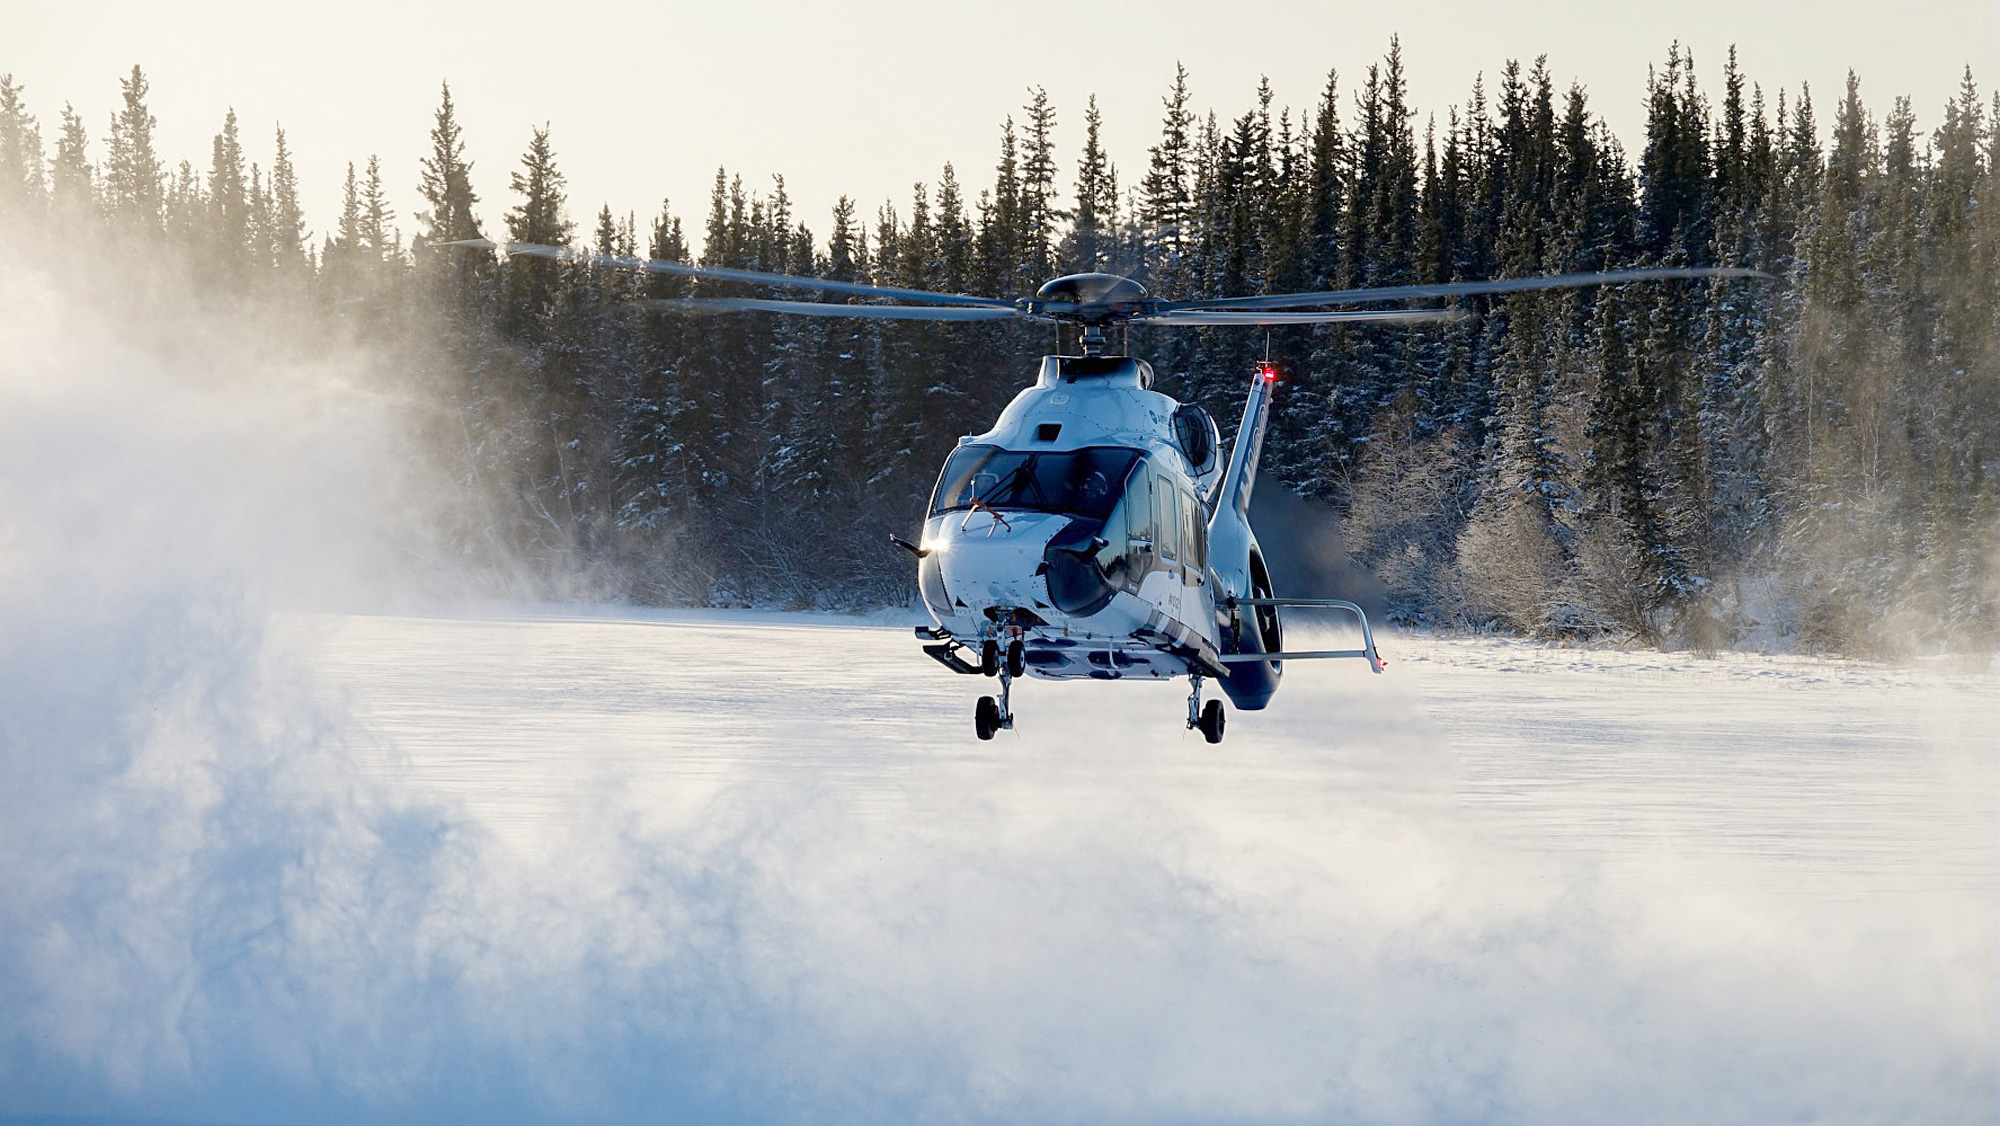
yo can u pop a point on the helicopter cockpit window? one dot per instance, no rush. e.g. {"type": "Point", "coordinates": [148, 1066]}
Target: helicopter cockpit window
{"type": "Point", "coordinates": [1194, 432]}
{"type": "Point", "coordinates": [1083, 482]}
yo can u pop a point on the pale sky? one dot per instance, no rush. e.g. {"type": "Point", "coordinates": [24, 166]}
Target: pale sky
{"type": "Point", "coordinates": [646, 99]}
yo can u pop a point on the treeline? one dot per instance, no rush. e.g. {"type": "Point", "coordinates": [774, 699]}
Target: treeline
{"type": "Point", "coordinates": [1806, 462]}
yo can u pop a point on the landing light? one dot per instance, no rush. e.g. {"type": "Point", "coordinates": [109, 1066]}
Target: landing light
{"type": "Point", "coordinates": [936, 546]}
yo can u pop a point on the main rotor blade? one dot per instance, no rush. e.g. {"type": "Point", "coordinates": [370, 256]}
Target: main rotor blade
{"type": "Point", "coordinates": [1465, 289]}
{"type": "Point", "coordinates": [817, 309]}
{"type": "Point", "coordinates": [724, 273]}
{"type": "Point", "coordinates": [1183, 316]}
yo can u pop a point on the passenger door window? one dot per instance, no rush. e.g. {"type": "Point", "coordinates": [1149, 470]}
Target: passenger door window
{"type": "Point", "coordinates": [1192, 552]}
{"type": "Point", "coordinates": [1168, 522]}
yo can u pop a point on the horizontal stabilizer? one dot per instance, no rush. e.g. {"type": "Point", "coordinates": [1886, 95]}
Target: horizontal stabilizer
{"type": "Point", "coordinates": [1368, 650]}
{"type": "Point", "coordinates": [1246, 658]}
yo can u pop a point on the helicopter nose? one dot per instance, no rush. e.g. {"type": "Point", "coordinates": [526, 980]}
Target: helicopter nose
{"type": "Point", "coordinates": [991, 560]}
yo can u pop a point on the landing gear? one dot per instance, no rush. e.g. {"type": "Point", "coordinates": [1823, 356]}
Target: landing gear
{"type": "Point", "coordinates": [991, 715]}
{"type": "Point", "coordinates": [1209, 720]}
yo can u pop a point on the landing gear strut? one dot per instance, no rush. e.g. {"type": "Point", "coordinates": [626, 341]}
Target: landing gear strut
{"type": "Point", "coordinates": [1005, 661]}
{"type": "Point", "coordinates": [1208, 720]}
{"type": "Point", "coordinates": [994, 715]}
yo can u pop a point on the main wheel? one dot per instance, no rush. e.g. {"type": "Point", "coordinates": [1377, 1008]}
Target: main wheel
{"type": "Point", "coordinates": [986, 717]}
{"type": "Point", "coordinates": [989, 658]}
{"type": "Point", "coordinates": [1017, 658]}
{"type": "Point", "coordinates": [1212, 721]}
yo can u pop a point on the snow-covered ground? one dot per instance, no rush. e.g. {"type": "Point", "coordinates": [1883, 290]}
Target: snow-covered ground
{"type": "Point", "coordinates": [1805, 777]}
{"type": "Point", "coordinates": [567, 864]}
{"type": "Point", "coordinates": [562, 864]}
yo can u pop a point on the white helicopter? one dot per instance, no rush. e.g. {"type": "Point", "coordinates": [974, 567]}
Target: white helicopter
{"type": "Point", "coordinates": [1095, 531]}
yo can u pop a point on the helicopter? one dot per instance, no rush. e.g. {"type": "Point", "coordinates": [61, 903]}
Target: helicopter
{"type": "Point", "coordinates": [1097, 530]}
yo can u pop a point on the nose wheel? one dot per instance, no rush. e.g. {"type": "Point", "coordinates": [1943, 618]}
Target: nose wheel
{"type": "Point", "coordinates": [1207, 720]}
{"type": "Point", "coordinates": [991, 715]}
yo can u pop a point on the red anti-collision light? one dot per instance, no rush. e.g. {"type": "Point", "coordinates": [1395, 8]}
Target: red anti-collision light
{"type": "Point", "coordinates": [1270, 374]}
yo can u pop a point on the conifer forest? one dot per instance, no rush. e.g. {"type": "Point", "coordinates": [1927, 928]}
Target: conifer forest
{"type": "Point", "coordinates": [1810, 463]}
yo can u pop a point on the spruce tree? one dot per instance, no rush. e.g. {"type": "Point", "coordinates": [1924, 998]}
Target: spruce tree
{"type": "Point", "coordinates": [340, 259]}
{"type": "Point", "coordinates": [187, 211]}
{"type": "Point", "coordinates": [957, 246]}
{"type": "Point", "coordinates": [1039, 214]}
{"type": "Point", "coordinates": [446, 182]}
{"type": "Point", "coordinates": [916, 259]}
{"type": "Point", "coordinates": [843, 244]}
{"type": "Point", "coordinates": [540, 216]}
{"type": "Point", "coordinates": [259, 224]}
{"type": "Point", "coordinates": [229, 200]}
{"type": "Point", "coordinates": [604, 237]}
{"type": "Point", "coordinates": [72, 180]}
{"type": "Point", "coordinates": [1001, 236]}
{"type": "Point", "coordinates": [133, 176]}
{"type": "Point", "coordinates": [1674, 176]}
{"type": "Point", "coordinates": [1326, 173]}
{"type": "Point", "coordinates": [1165, 209]}
{"type": "Point", "coordinates": [1244, 186]}
{"type": "Point", "coordinates": [376, 232]}
{"type": "Point", "coordinates": [22, 186]}
{"type": "Point", "coordinates": [288, 234]}
{"type": "Point", "coordinates": [648, 490]}
{"type": "Point", "coordinates": [347, 231]}
{"type": "Point", "coordinates": [1089, 245]}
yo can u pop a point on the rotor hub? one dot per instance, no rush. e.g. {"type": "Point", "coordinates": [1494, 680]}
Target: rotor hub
{"type": "Point", "coordinates": [1090, 299]}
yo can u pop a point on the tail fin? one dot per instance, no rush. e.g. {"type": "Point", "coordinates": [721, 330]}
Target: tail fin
{"type": "Point", "coordinates": [1238, 565]}
{"type": "Point", "coordinates": [1241, 476]}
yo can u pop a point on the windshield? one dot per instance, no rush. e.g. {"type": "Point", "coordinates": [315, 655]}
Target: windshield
{"type": "Point", "coordinates": [1080, 482]}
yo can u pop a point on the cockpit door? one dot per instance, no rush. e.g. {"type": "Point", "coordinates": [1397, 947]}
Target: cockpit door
{"type": "Point", "coordinates": [1128, 533]}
